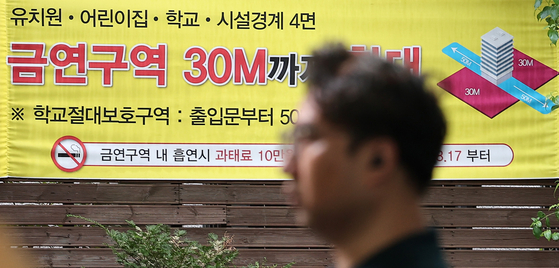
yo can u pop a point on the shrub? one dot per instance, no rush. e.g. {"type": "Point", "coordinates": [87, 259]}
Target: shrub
{"type": "Point", "coordinates": [157, 247]}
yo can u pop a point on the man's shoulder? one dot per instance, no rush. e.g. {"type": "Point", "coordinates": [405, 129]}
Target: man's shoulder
{"type": "Point", "coordinates": [420, 250]}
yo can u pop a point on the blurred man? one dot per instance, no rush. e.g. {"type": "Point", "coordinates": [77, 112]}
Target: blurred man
{"type": "Point", "coordinates": [365, 144]}
{"type": "Point", "coordinates": [10, 258]}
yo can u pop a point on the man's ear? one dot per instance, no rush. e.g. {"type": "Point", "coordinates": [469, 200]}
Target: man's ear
{"type": "Point", "coordinates": [383, 160]}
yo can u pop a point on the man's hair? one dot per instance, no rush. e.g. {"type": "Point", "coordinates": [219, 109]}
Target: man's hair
{"type": "Point", "coordinates": [369, 97]}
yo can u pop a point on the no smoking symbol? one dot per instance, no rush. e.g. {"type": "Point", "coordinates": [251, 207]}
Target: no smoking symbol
{"type": "Point", "coordinates": [68, 154]}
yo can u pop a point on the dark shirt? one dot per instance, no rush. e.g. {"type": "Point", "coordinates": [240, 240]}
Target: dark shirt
{"type": "Point", "coordinates": [420, 250]}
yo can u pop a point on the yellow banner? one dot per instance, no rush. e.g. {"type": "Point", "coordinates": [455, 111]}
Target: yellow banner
{"type": "Point", "coordinates": [204, 90]}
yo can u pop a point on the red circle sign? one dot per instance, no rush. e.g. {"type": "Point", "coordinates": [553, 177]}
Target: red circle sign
{"type": "Point", "coordinates": [68, 153]}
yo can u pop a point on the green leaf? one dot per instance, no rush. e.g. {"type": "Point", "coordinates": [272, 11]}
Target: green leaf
{"type": "Point", "coordinates": [555, 236]}
{"type": "Point", "coordinates": [537, 4]}
{"type": "Point", "coordinates": [554, 107]}
{"type": "Point", "coordinates": [537, 231]}
{"type": "Point", "coordinates": [539, 224]}
{"type": "Point", "coordinates": [544, 13]}
{"type": "Point", "coordinates": [541, 215]}
{"type": "Point", "coordinates": [547, 234]}
{"type": "Point", "coordinates": [554, 13]}
{"type": "Point", "coordinates": [553, 36]}
{"type": "Point", "coordinates": [556, 2]}
{"type": "Point", "coordinates": [212, 236]}
{"type": "Point", "coordinates": [180, 233]}
{"type": "Point", "coordinates": [547, 222]}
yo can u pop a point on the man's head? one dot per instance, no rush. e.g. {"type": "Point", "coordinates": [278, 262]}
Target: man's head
{"type": "Point", "coordinates": [364, 120]}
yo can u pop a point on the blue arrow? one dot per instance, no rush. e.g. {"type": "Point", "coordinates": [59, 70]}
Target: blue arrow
{"type": "Point", "coordinates": [527, 95]}
{"type": "Point", "coordinates": [464, 56]}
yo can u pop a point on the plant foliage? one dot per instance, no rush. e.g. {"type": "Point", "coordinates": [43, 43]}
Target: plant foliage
{"type": "Point", "coordinates": [552, 99]}
{"type": "Point", "coordinates": [549, 11]}
{"type": "Point", "coordinates": [541, 224]}
{"type": "Point", "coordinates": [157, 247]}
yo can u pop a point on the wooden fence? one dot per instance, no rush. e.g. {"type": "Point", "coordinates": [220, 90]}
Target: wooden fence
{"type": "Point", "coordinates": [481, 223]}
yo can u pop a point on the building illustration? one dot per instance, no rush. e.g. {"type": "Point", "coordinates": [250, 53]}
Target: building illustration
{"type": "Point", "coordinates": [497, 56]}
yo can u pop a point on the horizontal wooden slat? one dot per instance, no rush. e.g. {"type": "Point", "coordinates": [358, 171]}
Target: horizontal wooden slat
{"type": "Point", "coordinates": [436, 196]}
{"type": "Point", "coordinates": [500, 258]}
{"type": "Point", "coordinates": [165, 193]}
{"type": "Point", "coordinates": [261, 216]}
{"type": "Point", "coordinates": [273, 237]}
{"type": "Point", "coordinates": [305, 258]}
{"type": "Point", "coordinates": [491, 238]}
{"type": "Point", "coordinates": [489, 196]}
{"type": "Point", "coordinates": [96, 237]}
{"type": "Point", "coordinates": [478, 217]}
{"type": "Point", "coordinates": [141, 193]}
{"type": "Point", "coordinates": [538, 182]}
{"type": "Point", "coordinates": [90, 193]}
{"type": "Point", "coordinates": [232, 194]}
{"type": "Point", "coordinates": [112, 214]}
{"type": "Point", "coordinates": [439, 217]}
{"type": "Point", "coordinates": [73, 258]}
{"type": "Point", "coordinates": [56, 258]}
{"type": "Point", "coordinates": [308, 258]}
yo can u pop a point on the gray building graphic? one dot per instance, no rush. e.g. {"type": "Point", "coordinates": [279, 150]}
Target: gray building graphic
{"type": "Point", "coordinates": [496, 56]}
